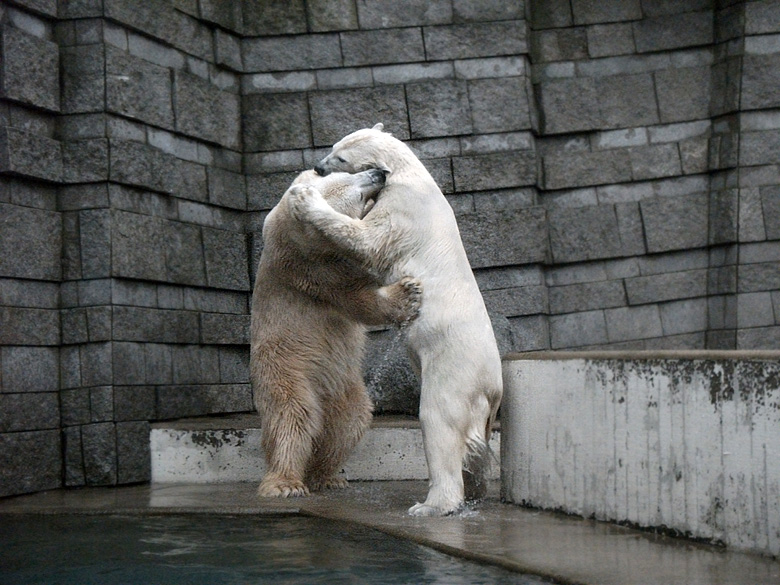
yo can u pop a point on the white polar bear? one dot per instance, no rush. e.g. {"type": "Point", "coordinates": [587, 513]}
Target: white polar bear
{"type": "Point", "coordinates": [412, 230]}
{"type": "Point", "coordinates": [309, 305]}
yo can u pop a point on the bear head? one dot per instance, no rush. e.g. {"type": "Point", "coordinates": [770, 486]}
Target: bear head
{"type": "Point", "coordinates": [351, 194]}
{"type": "Point", "coordinates": [364, 149]}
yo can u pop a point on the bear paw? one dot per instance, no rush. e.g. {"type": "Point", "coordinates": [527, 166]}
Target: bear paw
{"type": "Point", "coordinates": [282, 488]}
{"type": "Point", "coordinates": [411, 300]}
{"type": "Point", "coordinates": [428, 510]}
{"type": "Point", "coordinates": [304, 199]}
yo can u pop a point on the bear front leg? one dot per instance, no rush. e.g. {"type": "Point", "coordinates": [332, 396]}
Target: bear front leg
{"type": "Point", "coordinates": [402, 300]}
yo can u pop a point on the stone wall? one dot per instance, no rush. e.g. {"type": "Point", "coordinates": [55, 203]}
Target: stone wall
{"type": "Point", "coordinates": [613, 166]}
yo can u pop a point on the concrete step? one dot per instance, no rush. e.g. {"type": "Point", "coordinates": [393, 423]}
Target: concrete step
{"type": "Point", "coordinates": [227, 449]}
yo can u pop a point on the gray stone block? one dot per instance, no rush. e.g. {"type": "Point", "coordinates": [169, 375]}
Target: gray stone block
{"type": "Point", "coordinates": [626, 101]}
{"type": "Point", "coordinates": [29, 369]}
{"type": "Point", "coordinates": [154, 325]}
{"type": "Point", "coordinates": [569, 105]}
{"type": "Point", "coordinates": [655, 161]}
{"type": "Point", "coordinates": [224, 329]}
{"type": "Point", "coordinates": [83, 80]}
{"type": "Point", "coordinates": [559, 45]}
{"type": "Point", "coordinates": [758, 88]}
{"type": "Point", "coordinates": [195, 364]}
{"type": "Point", "coordinates": [135, 403]}
{"type": "Point", "coordinates": [158, 359]}
{"type": "Point", "coordinates": [464, 41]}
{"type": "Point", "coordinates": [30, 293]}
{"type": "Point", "coordinates": [22, 326]}
{"type": "Point", "coordinates": [606, 40]}
{"type": "Point", "coordinates": [96, 364]}
{"type": "Point", "coordinates": [30, 243]}
{"type": "Point", "coordinates": [138, 89]}
{"type": "Point", "coordinates": [599, 11]}
{"type": "Point", "coordinates": [761, 17]}
{"type": "Point", "coordinates": [98, 444]}
{"type": "Point", "coordinates": [632, 236]}
{"type": "Point", "coordinates": [584, 233]}
{"type": "Point", "coordinates": [274, 17]}
{"type": "Point", "coordinates": [128, 363]}
{"type": "Point", "coordinates": [374, 14]}
{"type": "Point", "coordinates": [331, 15]}
{"type": "Point", "coordinates": [505, 237]}
{"type": "Point", "coordinates": [551, 14]}
{"type": "Point", "coordinates": [138, 245]}
{"type": "Point", "coordinates": [265, 191]}
{"type": "Point", "coordinates": [500, 105]}
{"type": "Point", "coordinates": [666, 287]}
{"type": "Point", "coordinates": [204, 111]}
{"type": "Point", "coordinates": [184, 257]}
{"type": "Point", "coordinates": [295, 53]}
{"type": "Point", "coordinates": [587, 296]}
{"type": "Point", "coordinates": [74, 406]}
{"type": "Point", "coordinates": [226, 188]}
{"type": "Point", "coordinates": [85, 161]}
{"type": "Point", "coordinates": [517, 302]}
{"type": "Point", "coordinates": [764, 276]}
{"type": "Point", "coordinates": [581, 169]}
{"type": "Point", "coordinates": [276, 121]}
{"type": "Point", "coordinates": [683, 94]}
{"type": "Point", "coordinates": [674, 31]}
{"type": "Point", "coordinates": [227, 50]}
{"type": "Point", "coordinates": [494, 171]}
{"type": "Point", "coordinates": [226, 259]}
{"type": "Point", "coordinates": [755, 310]}
{"type": "Point", "coordinates": [530, 333]}
{"type": "Point", "coordinates": [134, 461]}
{"type": "Point", "coordinates": [633, 323]}
{"type": "Point", "coordinates": [30, 462]}
{"type": "Point", "coordinates": [770, 204]}
{"type": "Point", "coordinates": [142, 165]}
{"type": "Point", "coordinates": [578, 330]}
{"type": "Point", "coordinates": [29, 72]}
{"type": "Point", "coordinates": [199, 400]}
{"type": "Point", "coordinates": [760, 148]}
{"type": "Point", "coordinates": [378, 47]}
{"type": "Point", "coordinates": [234, 364]}
{"type": "Point", "coordinates": [675, 223]}
{"type": "Point", "coordinates": [339, 112]}
{"type": "Point", "coordinates": [438, 108]}
{"type": "Point", "coordinates": [73, 460]}
{"type": "Point", "coordinates": [30, 155]}
{"type": "Point", "coordinates": [686, 316]}
{"type": "Point", "coordinates": [29, 411]}
{"type": "Point", "coordinates": [226, 14]}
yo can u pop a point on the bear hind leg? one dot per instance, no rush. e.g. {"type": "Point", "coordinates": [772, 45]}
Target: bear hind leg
{"type": "Point", "coordinates": [345, 423]}
{"type": "Point", "coordinates": [290, 427]}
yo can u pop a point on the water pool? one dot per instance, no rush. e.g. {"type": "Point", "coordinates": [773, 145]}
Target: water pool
{"type": "Point", "coordinates": [214, 550]}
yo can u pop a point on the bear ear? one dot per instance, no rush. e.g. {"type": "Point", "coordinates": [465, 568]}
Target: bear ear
{"type": "Point", "coordinates": [379, 127]}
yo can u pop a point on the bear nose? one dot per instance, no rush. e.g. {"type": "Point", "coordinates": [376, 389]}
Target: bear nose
{"type": "Point", "coordinates": [320, 170]}
{"type": "Point", "coordinates": [377, 176]}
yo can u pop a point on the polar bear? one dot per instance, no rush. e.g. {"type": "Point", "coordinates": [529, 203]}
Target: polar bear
{"type": "Point", "coordinates": [412, 230]}
{"type": "Point", "coordinates": [309, 305]}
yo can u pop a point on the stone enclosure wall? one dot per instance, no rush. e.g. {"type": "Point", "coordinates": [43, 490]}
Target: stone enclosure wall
{"type": "Point", "coordinates": [613, 165]}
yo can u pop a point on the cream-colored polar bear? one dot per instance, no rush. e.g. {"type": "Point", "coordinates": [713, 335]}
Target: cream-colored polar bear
{"type": "Point", "coordinates": [412, 230]}
{"type": "Point", "coordinates": [308, 306]}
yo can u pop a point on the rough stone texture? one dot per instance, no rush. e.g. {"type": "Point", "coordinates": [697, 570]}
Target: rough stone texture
{"type": "Point", "coordinates": [612, 167]}
{"type": "Point", "coordinates": [29, 72]}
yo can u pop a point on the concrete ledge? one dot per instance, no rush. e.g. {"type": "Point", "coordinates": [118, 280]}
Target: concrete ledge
{"type": "Point", "coordinates": [227, 449]}
{"type": "Point", "coordinates": [686, 441]}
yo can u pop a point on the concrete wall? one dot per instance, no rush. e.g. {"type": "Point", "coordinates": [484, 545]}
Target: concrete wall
{"type": "Point", "coordinates": [681, 441]}
{"type": "Point", "coordinates": [613, 167]}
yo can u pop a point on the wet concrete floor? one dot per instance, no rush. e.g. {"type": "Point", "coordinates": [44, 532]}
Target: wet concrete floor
{"type": "Point", "coordinates": [561, 548]}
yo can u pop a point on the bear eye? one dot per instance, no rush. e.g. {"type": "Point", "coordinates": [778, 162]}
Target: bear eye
{"type": "Point", "coordinates": [341, 160]}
